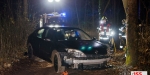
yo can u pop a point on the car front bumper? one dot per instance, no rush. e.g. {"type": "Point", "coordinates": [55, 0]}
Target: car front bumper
{"type": "Point", "coordinates": [93, 61]}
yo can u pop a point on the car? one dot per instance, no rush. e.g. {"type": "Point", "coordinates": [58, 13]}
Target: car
{"type": "Point", "coordinates": [67, 47]}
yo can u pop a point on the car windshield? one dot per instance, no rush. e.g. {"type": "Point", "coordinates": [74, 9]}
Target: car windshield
{"type": "Point", "coordinates": [71, 34]}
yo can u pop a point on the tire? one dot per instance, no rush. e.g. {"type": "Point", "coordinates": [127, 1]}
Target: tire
{"type": "Point", "coordinates": [58, 64]}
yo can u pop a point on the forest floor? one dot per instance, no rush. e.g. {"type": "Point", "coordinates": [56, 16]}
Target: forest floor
{"type": "Point", "coordinates": [35, 67]}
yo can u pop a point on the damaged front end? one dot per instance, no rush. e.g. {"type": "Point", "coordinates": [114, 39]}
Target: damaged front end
{"type": "Point", "coordinates": [78, 60]}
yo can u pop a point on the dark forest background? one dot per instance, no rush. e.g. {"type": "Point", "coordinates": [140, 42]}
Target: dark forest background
{"type": "Point", "coordinates": [16, 25]}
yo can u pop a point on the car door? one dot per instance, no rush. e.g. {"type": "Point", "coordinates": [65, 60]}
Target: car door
{"type": "Point", "coordinates": [47, 43]}
{"type": "Point", "coordinates": [36, 40]}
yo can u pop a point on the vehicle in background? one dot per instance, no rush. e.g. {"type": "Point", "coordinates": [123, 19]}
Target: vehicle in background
{"type": "Point", "coordinates": [52, 19]}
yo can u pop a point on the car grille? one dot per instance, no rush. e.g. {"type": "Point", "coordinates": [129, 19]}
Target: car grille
{"type": "Point", "coordinates": [88, 57]}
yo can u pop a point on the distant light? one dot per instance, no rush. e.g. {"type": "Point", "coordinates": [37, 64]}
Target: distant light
{"type": "Point", "coordinates": [120, 34]}
{"type": "Point", "coordinates": [101, 22]}
{"type": "Point", "coordinates": [57, 0]}
{"type": "Point", "coordinates": [121, 47]}
{"type": "Point", "coordinates": [112, 33]}
{"type": "Point", "coordinates": [50, 14]}
{"type": "Point", "coordinates": [105, 38]}
{"type": "Point", "coordinates": [56, 26]}
{"type": "Point", "coordinates": [105, 27]}
{"type": "Point", "coordinates": [50, 0]}
{"type": "Point", "coordinates": [124, 36]}
{"type": "Point", "coordinates": [51, 26]}
{"type": "Point", "coordinates": [64, 14]}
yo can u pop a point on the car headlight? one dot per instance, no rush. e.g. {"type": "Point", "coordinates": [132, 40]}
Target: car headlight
{"type": "Point", "coordinates": [76, 53]}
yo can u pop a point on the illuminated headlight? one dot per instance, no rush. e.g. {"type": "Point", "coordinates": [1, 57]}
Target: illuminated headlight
{"type": "Point", "coordinates": [76, 53]}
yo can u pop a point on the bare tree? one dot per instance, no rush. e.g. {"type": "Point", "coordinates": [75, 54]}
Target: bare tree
{"type": "Point", "coordinates": [132, 24]}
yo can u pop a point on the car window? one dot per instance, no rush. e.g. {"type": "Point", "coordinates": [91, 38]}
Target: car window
{"type": "Point", "coordinates": [71, 34]}
{"type": "Point", "coordinates": [59, 34]}
{"type": "Point", "coordinates": [82, 35]}
{"type": "Point", "coordinates": [39, 33]}
{"type": "Point", "coordinates": [49, 34]}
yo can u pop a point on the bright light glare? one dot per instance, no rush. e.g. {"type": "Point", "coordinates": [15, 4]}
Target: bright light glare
{"type": "Point", "coordinates": [51, 26]}
{"type": "Point", "coordinates": [96, 44]}
{"type": "Point", "coordinates": [105, 38]}
{"type": "Point", "coordinates": [112, 33]}
{"type": "Point", "coordinates": [64, 14]}
{"type": "Point", "coordinates": [57, 0]}
{"type": "Point", "coordinates": [101, 22]}
{"type": "Point", "coordinates": [50, 0]}
{"type": "Point", "coordinates": [56, 26]}
{"type": "Point", "coordinates": [105, 27]}
{"type": "Point", "coordinates": [120, 34]}
{"type": "Point", "coordinates": [123, 36]}
{"type": "Point", "coordinates": [121, 46]}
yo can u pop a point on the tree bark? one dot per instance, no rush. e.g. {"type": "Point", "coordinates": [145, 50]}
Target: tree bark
{"type": "Point", "coordinates": [25, 8]}
{"type": "Point", "coordinates": [132, 23]}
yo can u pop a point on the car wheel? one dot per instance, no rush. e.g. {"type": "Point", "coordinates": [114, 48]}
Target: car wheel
{"type": "Point", "coordinates": [58, 64]}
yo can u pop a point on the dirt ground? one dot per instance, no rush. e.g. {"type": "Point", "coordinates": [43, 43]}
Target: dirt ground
{"type": "Point", "coordinates": [34, 67]}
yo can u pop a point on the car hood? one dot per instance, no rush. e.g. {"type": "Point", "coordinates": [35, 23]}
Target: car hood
{"type": "Point", "coordinates": [88, 47]}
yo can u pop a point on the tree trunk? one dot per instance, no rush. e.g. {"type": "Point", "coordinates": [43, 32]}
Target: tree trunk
{"type": "Point", "coordinates": [132, 23]}
{"type": "Point", "coordinates": [25, 8]}
{"type": "Point", "coordinates": [93, 12]}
